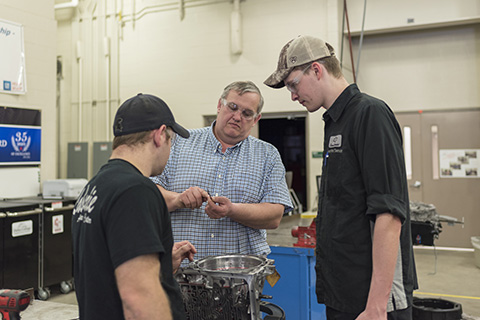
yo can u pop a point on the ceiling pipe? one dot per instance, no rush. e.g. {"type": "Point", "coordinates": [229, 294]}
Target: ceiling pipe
{"type": "Point", "coordinates": [65, 11]}
{"type": "Point", "coordinates": [80, 87]}
{"type": "Point", "coordinates": [236, 29]}
{"type": "Point", "coordinates": [181, 9]}
{"type": "Point", "coordinates": [71, 4]}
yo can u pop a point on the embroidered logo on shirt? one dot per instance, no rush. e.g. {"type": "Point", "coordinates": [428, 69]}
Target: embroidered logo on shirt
{"type": "Point", "coordinates": [335, 141]}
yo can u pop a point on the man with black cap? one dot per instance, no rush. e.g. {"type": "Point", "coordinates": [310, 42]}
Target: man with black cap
{"type": "Point", "coordinates": [365, 267]}
{"type": "Point", "coordinates": [122, 237]}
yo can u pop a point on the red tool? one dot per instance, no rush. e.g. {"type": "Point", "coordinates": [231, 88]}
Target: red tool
{"type": "Point", "coordinates": [306, 235]}
{"type": "Point", "coordinates": [12, 302]}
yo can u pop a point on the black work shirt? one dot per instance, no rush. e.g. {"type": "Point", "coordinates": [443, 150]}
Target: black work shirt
{"type": "Point", "coordinates": [363, 175]}
{"type": "Point", "coordinates": [120, 215]}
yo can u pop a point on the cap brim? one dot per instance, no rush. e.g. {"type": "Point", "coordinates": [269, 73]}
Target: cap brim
{"type": "Point", "coordinates": [181, 131]}
{"type": "Point", "coordinates": [276, 79]}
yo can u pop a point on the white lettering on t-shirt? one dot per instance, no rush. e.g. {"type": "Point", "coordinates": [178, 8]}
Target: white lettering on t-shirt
{"type": "Point", "coordinates": [85, 204]}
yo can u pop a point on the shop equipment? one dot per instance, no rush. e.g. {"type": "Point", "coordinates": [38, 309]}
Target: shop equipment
{"type": "Point", "coordinates": [436, 309]}
{"type": "Point", "coordinates": [426, 225]}
{"type": "Point", "coordinates": [306, 235]}
{"type": "Point", "coordinates": [227, 287]}
{"type": "Point", "coordinates": [12, 302]}
{"type": "Point", "coordinates": [55, 245]}
{"type": "Point", "coordinates": [63, 188]}
{"type": "Point", "coordinates": [19, 237]}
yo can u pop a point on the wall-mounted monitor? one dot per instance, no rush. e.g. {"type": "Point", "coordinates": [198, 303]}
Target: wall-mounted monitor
{"type": "Point", "coordinates": [20, 145]}
{"type": "Point", "coordinates": [20, 136]}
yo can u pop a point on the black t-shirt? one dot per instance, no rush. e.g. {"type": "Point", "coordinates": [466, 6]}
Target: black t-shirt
{"type": "Point", "coordinates": [363, 175]}
{"type": "Point", "coordinates": [119, 215]}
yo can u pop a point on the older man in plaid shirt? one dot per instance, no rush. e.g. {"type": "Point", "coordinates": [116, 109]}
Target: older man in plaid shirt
{"type": "Point", "coordinates": [222, 186]}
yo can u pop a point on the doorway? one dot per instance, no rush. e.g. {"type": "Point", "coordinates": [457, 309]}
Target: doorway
{"type": "Point", "coordinates": [431, 138]}
{"type": "Point", "coordinates": [287, 134]}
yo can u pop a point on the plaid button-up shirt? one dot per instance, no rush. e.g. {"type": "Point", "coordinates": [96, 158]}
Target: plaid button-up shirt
{"type": "Point", "coordinates": [249, 172]}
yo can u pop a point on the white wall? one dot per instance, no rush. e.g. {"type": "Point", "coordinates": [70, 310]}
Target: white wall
{"type": "Point", "coordinates": [383, 15]}
{"type": "Point", "coordinates": [185, 61]}
{"type": "Point", "coordinates": [423, 70]}
{"type": "Point", "coordinates": [432, 63]}
{"type": "Point", "coordinates": [37, 18]}
{"type": "Point", "coordinates": [188, 61]}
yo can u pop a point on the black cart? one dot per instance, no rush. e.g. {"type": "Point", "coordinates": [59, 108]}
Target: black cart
{"type": "Point", "coordinates": [20, 244]}
{"type": "Point", "coordinates": [55, 250]}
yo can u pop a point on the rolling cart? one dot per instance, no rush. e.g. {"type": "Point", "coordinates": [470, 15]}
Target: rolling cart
{"type": "Point", "coordinates": [20, 243]}
{"type": "Point", "coordinates": [56, 257]}
{"type": "Point", "coordinates": [55, 265]}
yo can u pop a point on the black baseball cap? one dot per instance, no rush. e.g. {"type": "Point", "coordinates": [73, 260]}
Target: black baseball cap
{"type": "Point", "coordinates": [145, 112]}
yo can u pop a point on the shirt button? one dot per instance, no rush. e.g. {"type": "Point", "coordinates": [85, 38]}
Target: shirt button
{"type": "Point", "coordinates": [223, 158]}
{"type": "Point", "coordinates": [213, 236]}
{"type": "Point", "coordinates": [219, 175]}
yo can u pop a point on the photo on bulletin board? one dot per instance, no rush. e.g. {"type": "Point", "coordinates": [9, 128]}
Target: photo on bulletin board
{"type": "Point", "coordinates": [12, 58]}
{"type": "Point", "coordinates": [460, 163]}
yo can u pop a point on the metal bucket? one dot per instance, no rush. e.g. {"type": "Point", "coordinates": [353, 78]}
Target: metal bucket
{"type": "Point", "coordinates": [224, 287]}
{"type": "Point", "coordinates": [231, 263]}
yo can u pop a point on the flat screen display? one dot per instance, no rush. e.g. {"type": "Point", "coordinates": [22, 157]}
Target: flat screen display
{"type": "Point", "coordinates": [20, 145]}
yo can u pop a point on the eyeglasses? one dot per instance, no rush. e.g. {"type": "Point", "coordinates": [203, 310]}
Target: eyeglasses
{"type": "Point", "coordinates": [171, 134]}
{"type": "Point", "coordinates": [246, 114]}
{"type": "Point", "coordinates": [292, 86]}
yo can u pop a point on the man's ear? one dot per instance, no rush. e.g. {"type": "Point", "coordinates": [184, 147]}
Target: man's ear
{"type": "Point", "coordinates": [257, 118]}
{"type": "Point", "coordinates": [160, 135]}
{"type": "Point", "coordinates": [318, 69]}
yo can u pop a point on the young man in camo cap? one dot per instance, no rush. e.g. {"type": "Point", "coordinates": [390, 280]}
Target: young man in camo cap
{"type": "Point", "coordinates": [365, 266]}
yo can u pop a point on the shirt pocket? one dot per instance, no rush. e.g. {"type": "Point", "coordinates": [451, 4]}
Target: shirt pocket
{"type": "Point", "coordinates": [335, 168]}
{"type": "Point", "coordinates": [246, 186]}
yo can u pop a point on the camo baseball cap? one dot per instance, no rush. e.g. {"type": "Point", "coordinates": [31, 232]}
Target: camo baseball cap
{"type": "Point", "coordinates": [296, 52]}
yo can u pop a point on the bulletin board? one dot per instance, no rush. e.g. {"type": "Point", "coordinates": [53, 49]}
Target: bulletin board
{"type": "Point", "coordinates": [460, 163]}
{"type": "Point", "coordinates": [12, 58]}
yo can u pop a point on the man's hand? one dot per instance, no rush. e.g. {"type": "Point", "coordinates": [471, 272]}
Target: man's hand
{"type": "Point", "coordinates": [182, 250]}
{"type": "Point", "coordinates": [253, 215]}
{"type": "Point", "coordinates": [193, 197]}
{"type": "Point", "coordinates": [218, 207]}
{"type": "Point", "coordinates": [373, 315]}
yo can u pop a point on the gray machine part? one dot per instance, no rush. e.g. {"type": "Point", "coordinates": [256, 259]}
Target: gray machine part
{"type": "Point", "coordinates": [224, 286]}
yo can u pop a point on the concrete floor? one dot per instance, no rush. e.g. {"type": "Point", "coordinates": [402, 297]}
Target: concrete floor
{"type": "Point", "coordinates": [451, 276]}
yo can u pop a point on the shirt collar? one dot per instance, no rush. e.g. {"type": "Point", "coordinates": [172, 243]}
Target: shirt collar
{"type": "Point", "coordinates": [217, 146]}
{"type": "Point", "coordinates": [337, 108]}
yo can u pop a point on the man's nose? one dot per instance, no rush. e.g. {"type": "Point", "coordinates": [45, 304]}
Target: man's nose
{"type": "Point", "coordinates": [237, 115]}
{"type": "Point", "coordinates": [294, 96]}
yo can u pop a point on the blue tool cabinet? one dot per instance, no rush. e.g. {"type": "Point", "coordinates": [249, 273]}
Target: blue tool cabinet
{"type": "Point", "coordinates": [295, 290]}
